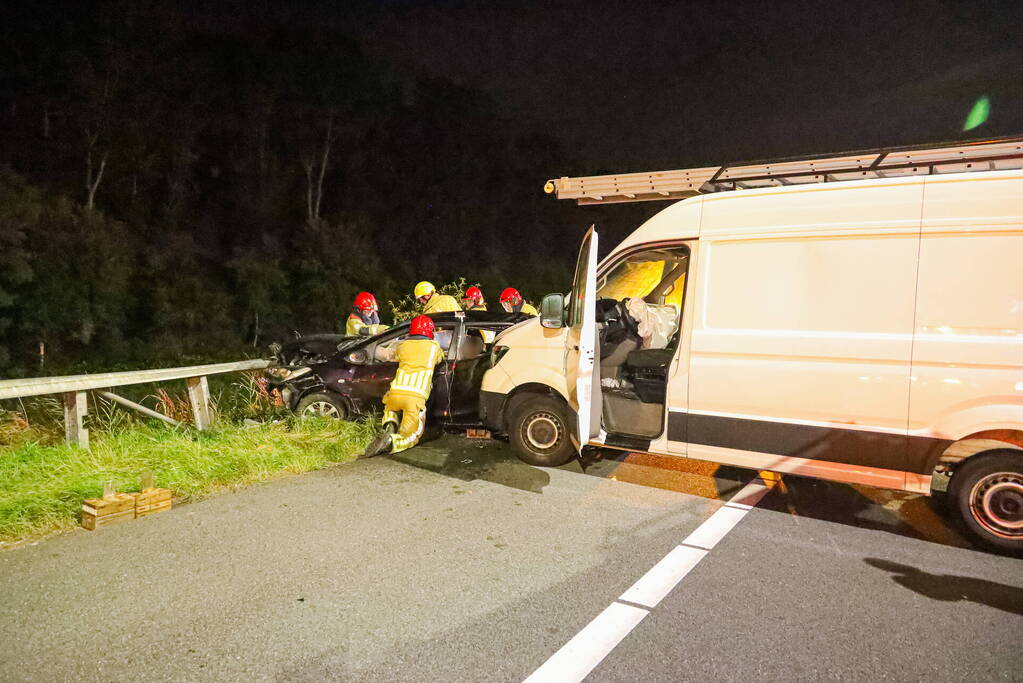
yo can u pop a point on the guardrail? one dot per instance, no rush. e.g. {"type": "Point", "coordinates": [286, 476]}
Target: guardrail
{"type": "Point", "coordinates": [75, 387]}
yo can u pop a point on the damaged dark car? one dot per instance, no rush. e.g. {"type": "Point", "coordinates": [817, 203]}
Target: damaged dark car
{"type": "Point", "coordinates": [337, 376]}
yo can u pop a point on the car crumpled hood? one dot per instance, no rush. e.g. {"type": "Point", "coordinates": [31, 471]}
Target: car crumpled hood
{"type": "Point", "coordinates": [348, 343]}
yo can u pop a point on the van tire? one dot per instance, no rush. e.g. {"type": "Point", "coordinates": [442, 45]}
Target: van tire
{"type": "Point", "coordinates": [538, 428]}
{"type": "Point", "coordinates": [987, 492]}
{"type": "Point", "coordinates": [322, 404]}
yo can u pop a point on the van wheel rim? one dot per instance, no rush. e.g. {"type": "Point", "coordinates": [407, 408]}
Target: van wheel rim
{"type": "Point", "coordinates": [543, 431]}
{"type": "Point", "coordinates": [321, 409]}
{"type": "Point", "coordinates": [997, 504]}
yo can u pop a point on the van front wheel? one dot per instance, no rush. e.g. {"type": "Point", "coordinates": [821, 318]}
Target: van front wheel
{"type": "Point", "coordinates": [988, 492]}
{"type": "Point", "coordinates": [539, 431]}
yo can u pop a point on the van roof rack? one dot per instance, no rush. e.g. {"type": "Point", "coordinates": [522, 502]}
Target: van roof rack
{"type": "Point", "coordinates": [978, 155]}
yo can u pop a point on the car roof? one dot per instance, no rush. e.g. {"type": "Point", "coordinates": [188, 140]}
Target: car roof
{"type": "Point", "coordinates": [479, 317]}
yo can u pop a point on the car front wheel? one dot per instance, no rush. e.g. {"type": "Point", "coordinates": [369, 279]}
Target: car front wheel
{"type": "Point", "coordinates": [321, 404]}
{"type": "Point", "coordinates": [538, 428]}
{"type": "Point", "coordinates": [988, 493]}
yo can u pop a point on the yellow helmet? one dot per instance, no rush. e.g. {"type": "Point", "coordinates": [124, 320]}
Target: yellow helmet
{"type": "Point", "coordinates": [424, 288]}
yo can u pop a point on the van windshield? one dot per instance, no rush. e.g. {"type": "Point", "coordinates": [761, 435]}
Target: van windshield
{"type": "Point", "coordinates": [657, 277]}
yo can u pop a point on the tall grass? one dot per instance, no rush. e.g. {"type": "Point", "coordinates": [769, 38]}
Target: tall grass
{"type": "Point", "coordinates": [43, 482]}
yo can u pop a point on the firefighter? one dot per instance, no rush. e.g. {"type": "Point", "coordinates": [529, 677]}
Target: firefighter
{"type": "Point", "coordinates": [514, 303]}
{"type": "Point", "coordinates": [474, 300]}
{"type": "Point", "coordinates": [432, 302]}
{"type": "Point", "coordinates": [364, 319]}
{"type": "Point", "coordinates": [417, 357]}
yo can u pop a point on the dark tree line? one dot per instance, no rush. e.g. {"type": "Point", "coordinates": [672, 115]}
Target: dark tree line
{"type": "Point", "coordinates": [174, 189]}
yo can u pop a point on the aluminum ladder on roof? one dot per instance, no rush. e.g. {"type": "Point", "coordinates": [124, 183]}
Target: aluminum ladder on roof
{"type": "Point", "coordinates": [983, 155]}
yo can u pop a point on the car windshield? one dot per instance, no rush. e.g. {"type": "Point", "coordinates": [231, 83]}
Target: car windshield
{"type": "Point", "coordinates": [391, 340]}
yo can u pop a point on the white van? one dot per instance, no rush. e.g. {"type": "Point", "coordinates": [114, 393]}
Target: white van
{"type": "Point", "coordinates": [864, 331]}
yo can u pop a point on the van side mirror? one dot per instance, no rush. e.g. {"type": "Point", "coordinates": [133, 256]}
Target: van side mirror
{"type": "Point", "coordinates": [552, 311]}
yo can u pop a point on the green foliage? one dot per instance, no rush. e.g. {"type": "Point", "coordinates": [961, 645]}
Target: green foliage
{"type": "Point", "coordinates": [248, 188]}
{"type": "Point", "coordinates": [42, 481]}
{"type": "Point", "coordinates": [42, 486]}
{"type": "Point", "coordinates": [19, 210]}
{"type": "Point", "coordinates": [407, 307]}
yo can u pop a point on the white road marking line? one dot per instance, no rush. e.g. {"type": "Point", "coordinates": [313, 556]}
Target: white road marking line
{"type": "Point", "coordinates": [749, 495]}
{"type": "Point", "coordinates": [716, 527]}
{"type": "Point", "coordinates": [664, 576]}
{"type": "Point", "coordinates": [589, 647]}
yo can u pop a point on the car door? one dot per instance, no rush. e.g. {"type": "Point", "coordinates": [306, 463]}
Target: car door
{"type": "Point", "coordinates": [581, 369]}
{"type": "Point", "coordinates": [371, 380]}
{"type": "Point", "coordinates": [467, 372]}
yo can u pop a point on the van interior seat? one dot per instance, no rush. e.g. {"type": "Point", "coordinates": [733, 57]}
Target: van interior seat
{"type": "Point", "coordinates": [665, 318]}
{"type": "Point", "coordinates": [472, 346]}
{"type": "Point", "coordinates": [641, 359]}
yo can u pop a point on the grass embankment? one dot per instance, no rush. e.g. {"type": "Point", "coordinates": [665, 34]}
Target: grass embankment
{"type": "Point", "coordinates": [43, 483]}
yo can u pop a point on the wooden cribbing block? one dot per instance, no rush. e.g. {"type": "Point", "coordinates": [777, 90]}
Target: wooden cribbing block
{"type": "Point", "coordinates": [477, 433]}
{"type": "Point", "coordinates": [97, 512]}
{"type": "Point", "coordinates": [152, 500]}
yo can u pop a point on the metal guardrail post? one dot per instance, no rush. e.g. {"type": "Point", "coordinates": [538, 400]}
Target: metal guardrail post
{"type": "Point", "coordinates": [199, 397]}
{"type": "Point", "coordinates": [110, 396]}
{"type": "Point", "coordinates": [76, 406]}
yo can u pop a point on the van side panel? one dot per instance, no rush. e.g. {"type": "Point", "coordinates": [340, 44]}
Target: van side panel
{"type": "Point", "coordinates": [968, 349]}
{"type": "Point", "coordinates": [803, 331]}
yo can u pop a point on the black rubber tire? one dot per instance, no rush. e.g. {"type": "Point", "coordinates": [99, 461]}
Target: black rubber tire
{"type": "Point", "coordinates": [553, 418]}
{"type": "Point", "coordinates": [322, 397]}
{"type": "Point", "coordinates": [1003, 468]}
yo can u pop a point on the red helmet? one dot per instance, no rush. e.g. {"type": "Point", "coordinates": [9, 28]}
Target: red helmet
{"type": "Point", "coordinates": [421, 325]}
{"type": "Point", "coordinates": [474, 294]}
{"type": "Point", "coordinates": [511, 296]}
{"type": "Point", "coordinates": [365, 301]}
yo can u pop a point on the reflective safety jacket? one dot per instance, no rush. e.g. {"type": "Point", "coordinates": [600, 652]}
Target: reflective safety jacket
{"type": "Point", "coordinates": [356, 326]}
{"type": "Point", "coordinates": [441, 303]}
{"type": "Point", "coordinates": [417, 357]}
{"type": "Point", "coordinates": [528, 310]}
{"type": "Point", "coordinates": [477, 307]}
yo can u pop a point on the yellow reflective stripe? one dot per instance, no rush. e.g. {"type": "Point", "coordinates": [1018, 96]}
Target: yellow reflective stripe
{"type": "Point", "coordinates": [399, 442]}
{"type": "Point", "coordinates": [409, 390]}
{"type": "Point", "coordinates": [416, 386]}
{"type": "Point", "coordinates": [417, 380]}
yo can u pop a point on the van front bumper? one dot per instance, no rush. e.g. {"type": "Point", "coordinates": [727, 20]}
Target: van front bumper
{"type": "Point", "coordinates": [492, 410]}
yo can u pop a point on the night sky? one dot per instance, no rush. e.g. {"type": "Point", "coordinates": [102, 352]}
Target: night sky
{"type": "Point", "coordinates": [648, 85]}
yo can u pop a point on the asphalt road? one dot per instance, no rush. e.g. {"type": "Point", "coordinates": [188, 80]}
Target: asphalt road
{"type": "Point", "coordinates": [455, 561]}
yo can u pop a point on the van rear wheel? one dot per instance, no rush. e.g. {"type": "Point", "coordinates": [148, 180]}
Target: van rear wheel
{"type": "Point", "coordinates": [539, 431]}
{"type": "Point", "coordinates": [988, 493]}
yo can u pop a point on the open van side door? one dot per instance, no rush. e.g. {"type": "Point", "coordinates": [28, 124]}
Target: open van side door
{"type": "Point", "coordinates": [582, 371]}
